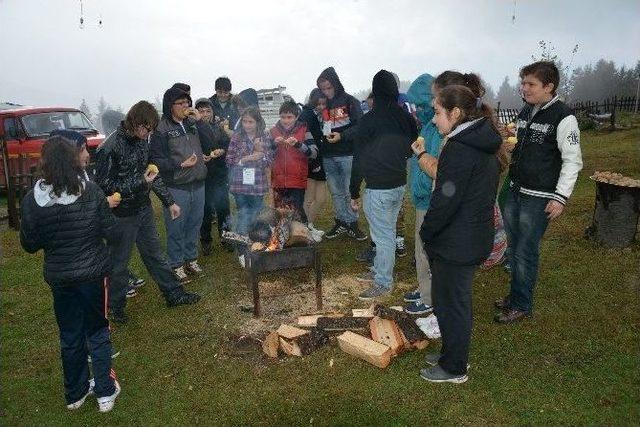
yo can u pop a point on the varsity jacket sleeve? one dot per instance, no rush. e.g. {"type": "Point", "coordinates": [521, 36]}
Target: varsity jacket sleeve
{"type": "Point", "coordinates": [454, 172]}
{"type": "Point", "coordinates": [568, 136]}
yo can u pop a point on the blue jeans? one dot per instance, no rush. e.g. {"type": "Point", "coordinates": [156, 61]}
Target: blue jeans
{"type": "Point", "coordinates": [525, 222]}
{"type": "Point", "coordinates": [381, 207]}
{"type": "Point", "coordinates": [249, 206]}
{"type": "Point", "coordinates": [338, 171]}
{"type": "Point", "coordinates": [80, 314]}
{"type": "Point", "coordinates": [216, 199]}
{"type": "Point", "coordinates": [182, 232]}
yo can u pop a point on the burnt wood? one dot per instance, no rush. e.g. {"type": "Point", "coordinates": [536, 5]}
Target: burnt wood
{"type": "Point", "coordinates": [407, 324]}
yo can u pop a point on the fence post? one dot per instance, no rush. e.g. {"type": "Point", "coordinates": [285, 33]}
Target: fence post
{"type": "Point", "coordinates": [613, 114]}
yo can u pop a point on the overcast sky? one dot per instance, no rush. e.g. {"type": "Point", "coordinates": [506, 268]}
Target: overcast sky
{"type": "Point", "coordinates": [144, 46]}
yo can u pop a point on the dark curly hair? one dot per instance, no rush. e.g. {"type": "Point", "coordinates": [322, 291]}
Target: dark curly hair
{"type": "Point", "coordinates": [60, 166]}
{"type": "Point", "coordinates": [142, 113]}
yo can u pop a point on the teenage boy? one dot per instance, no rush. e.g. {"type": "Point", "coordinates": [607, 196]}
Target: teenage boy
{"type": "Point", "coordinates": [382, 146]}
{"type": "Point", "coordinates": [291, 165]}
{"type": "Point", "coordinates": [176, 150]}
{"type": "Point", "coordinates": [122, 168]}
{"type": "Point", "coordinates": [216, 187]}
{"type": "Point", "coordinates": [342, 113]}
{"type": "Point", "coordinates": [543, 170]}
{"type": "Point", "coordinates": [222, 104]}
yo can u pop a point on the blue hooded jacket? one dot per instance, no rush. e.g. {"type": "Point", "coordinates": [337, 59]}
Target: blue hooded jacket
{"type": "Point", "coordinates": [419, 93]}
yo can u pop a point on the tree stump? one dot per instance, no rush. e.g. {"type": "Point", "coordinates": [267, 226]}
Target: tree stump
{"type": "Point", "coordinates": [615, 216]}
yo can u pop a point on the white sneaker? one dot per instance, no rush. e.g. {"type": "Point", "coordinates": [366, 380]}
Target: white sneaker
{"type": "Point", "coordinates": [105, 404]}
{"type": "Point", "coordinates": [316, 235]}
{"type": "Point", "coordinates": [241, 260]}
{"type": "Point", "coordinates": [78, 403]}
{"type": "Point", "coordinates": [313, 229]}
{"type": "Point", "coordinates": [194, 268]}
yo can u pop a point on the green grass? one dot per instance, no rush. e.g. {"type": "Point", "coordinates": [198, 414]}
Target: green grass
{"type": "Point", "coordinates": [575, 363]}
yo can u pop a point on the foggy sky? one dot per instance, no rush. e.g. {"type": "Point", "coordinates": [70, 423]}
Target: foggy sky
{"type": "Point", "coordinates": [144, 46]}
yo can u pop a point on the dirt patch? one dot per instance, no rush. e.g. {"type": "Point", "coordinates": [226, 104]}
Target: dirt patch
{"type": "Point", "coordinates": [284, 299]}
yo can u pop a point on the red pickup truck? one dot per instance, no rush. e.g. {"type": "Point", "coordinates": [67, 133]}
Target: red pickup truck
{"type": "Point", "coordinates": [24, 129]}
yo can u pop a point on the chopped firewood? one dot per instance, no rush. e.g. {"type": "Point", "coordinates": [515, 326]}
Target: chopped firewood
{"type": "Point", "coordinates": [290, 332]}
{"type": "Point", "coordinates": [405, 322]}
{"type": "Point", "coordinates": [270, 345]}
{"type": "Point", "coordinates": [363, 312]}
{"type": "Point", "coordinates": [311, 320]}
{"type": "Point", "coordinates": [300, 234]}
{"type": "Point", "coordinates": [386, 332]}
{"type": "Point", "coordinates": [314, 339]}
{"type": "Point", "coordinates": [290, 347]}
{"type": "Point", "coordinates": [257, 247]}
{"type": "Point", "coordinates": [342, 323]}
{"type": "Point", "coordinates": [373, 352]}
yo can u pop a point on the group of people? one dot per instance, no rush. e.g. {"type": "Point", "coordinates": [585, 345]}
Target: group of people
{"type": "Point", "coordinates": [193, 156]}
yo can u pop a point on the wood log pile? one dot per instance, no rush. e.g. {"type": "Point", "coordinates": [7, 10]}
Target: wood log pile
{"type": "Point", "coordinates": [376, 335]}
{"type": "Point", "coordinates": [615, 179]}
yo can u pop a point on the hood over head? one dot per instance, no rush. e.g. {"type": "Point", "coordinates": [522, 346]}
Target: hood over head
{"type": "Point", "coordinates": [420, 95]}
{"type": "Point", "coordinates": [172, 95]}
{"type": "Point", "coordinates": [249, 96]}
{"type": "Point", "coordinates": [385, 89]}
{"type": "Point", "coordinates": [203, 102]}
{"type": "Point", "coordinates": [331, 75]}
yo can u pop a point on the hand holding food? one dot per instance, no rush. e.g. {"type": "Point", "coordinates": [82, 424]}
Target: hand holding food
{"type": "Point", "coordinates": [334, 137]}
{"type": "Point", "coordinates": [418, 145]}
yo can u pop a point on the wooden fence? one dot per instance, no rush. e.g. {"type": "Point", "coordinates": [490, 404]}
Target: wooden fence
{"type": "Point", "coordinates": [608, 106]}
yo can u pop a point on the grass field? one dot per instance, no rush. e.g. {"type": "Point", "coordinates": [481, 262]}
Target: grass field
{"type": "Point", "coordinates": [576, 362]}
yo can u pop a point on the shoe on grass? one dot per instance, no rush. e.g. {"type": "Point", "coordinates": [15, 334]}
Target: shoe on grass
{"type": "Point", "coordinates": [367, 254]}
{"type": "Point", "coordinates": [181, 275]}
{"type": "Point", "coordinates": [374, 292]}
{"type": "Point", "coordinates": [136, 282]}
{"type": "Point", "coordinates": [184, 298]}
{"type": "Point", "coordinates": [338, 229]}
{"type": "Point", "coordinates": [131, 292]}
{"type": "Point", "coordinates": [511, 315]}
{"type": "Point", "coordinates": [417, 307]}
{"type": "Point", "coordinates": [413, 296]}
{"type": "Point", "coordinates": [105, 404]}
{"type": "Point", "coordinates": [193, 268]}
{"type": "Point", "coordinates": [78, 403]}
{"type": "Point", "coordinates": [354, 231]}
{"type": "Point", "coordinates": [432, 359]}
{"type": "Point", "coordinates": [436, 374]}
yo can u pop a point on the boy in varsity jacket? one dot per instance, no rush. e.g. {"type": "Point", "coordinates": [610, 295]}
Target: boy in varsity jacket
{"type": "Point", "coordinates": [543, 171]}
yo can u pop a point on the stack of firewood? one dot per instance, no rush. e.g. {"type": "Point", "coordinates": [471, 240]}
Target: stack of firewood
{"type": "Point", "coordinates": [615, 179]}
{"type": "Point", "coordinates": [376, 335]}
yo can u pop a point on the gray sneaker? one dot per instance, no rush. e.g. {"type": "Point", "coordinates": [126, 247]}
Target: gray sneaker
{"type": "Point", "coordinates": [436, 374]}
{"type": "Point", "coordinates": [374, 292]}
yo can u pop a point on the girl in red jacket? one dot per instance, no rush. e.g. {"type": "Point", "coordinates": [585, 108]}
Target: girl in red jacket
{"type": "Point", "coordinates": [291, 165]}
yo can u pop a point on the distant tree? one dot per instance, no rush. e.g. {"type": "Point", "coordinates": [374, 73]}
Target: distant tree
{"type": "Point", "coordinates": [489, 94]}
{"type": "Point", "coordinates": [85, 109]}
{"type": "Point", "coordinates": [604, 80]}
{"type": "Point", "coordinates": [102, 107]}
{"type": "Point", "coordinates": [508, 96]}
{"type": "Point", "coordinates": [547, 52]}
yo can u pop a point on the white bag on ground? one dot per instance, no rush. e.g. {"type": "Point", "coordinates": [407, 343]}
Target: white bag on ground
{"type": "Point", "coordinates": [429, 325]}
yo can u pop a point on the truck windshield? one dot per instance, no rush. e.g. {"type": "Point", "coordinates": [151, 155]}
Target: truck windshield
{"type": "Point", "coordinates": [43, 123]}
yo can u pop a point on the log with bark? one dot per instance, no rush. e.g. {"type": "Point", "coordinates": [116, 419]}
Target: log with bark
{"type": "Point", "coordinates": [405, 322]}
{"type": "Point", "coordinates": [342, 323]}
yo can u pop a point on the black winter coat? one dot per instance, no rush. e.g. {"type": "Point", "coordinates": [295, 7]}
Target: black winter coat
{"type": "Point", "coordinates": [458, 226]}
{"type": "Point", "coordinates": [72, 236]}
{"type": "Point", "coordinates": [122, 161]}
{"type": "Point", "coordinates": [308, 116]}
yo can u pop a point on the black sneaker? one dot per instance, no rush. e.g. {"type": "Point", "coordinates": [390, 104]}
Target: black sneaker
{"type": "Point", "coordinates": [355, 232]}
{"type": "Point", "coordinates": [367, 254]}
{"type": "Point", "coordinates": [136, 282]}
{"type": "Point", "coordinates": [118, 316]}
{"type": "Point", "coordinates": [337, 230]}
{"type": "Point", "coordinates": [184, 298]}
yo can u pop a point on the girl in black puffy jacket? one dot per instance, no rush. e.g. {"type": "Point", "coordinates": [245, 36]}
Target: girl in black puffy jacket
{"type": "Point", "coordinates": [69, 219]}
